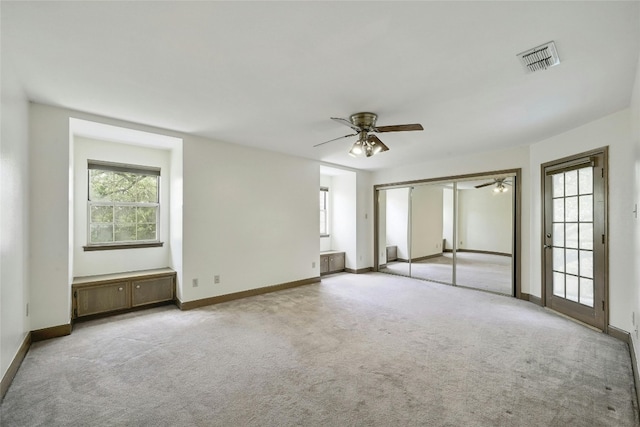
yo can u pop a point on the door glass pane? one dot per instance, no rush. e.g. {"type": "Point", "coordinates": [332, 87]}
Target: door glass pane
{"type": "Point", "coordinates": [586, 264]}
{"type": "Point", "coordinates": [572, 287]}
{"type": "Point", "coordinates": [557, 184]}
{"type": "Point", "coordinates": [558, 284]}
{"type": "Point", "coordinates": [586, 180]}
{"type": "Point", "coordinates": [571, 183]}
{"type": "Point", "coordinates": [558, 259]}
{"type": "Point", "coordinates": [586, 235]}
{"type": "Point", "coordinates": [558, 210]}
{"type": "Point", "coordinates": [558, 234]}
{"type": "Point", "coordinates": [572, 235]}
{"type": "Point", "coordinates": [571, 261]}
{"type": "Point", "coordinates": [571, 209]}
{"type": "Point", "coordinates": [586, 292]}
{"type": "Point", "coordinates": [586, 208]}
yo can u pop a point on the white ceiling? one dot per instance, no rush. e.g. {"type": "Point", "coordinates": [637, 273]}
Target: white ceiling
{"type": "Point", "coordinates": [270, 74]}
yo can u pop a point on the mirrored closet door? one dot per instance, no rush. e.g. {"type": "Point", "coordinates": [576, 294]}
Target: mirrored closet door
{"type": "Point", "coordinates": [457, 231]}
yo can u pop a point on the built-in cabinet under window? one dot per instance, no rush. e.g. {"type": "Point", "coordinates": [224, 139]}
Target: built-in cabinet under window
{"type": "Point", "coordinates": [111, 293]}
{"type": "Point", "coordinates": [331, 262]}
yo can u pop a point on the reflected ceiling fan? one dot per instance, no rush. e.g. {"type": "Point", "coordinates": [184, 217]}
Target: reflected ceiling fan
{"type": "Point", "coordinates": [364, 125]}
{"type": "Point", "coordinates": [500, 183]}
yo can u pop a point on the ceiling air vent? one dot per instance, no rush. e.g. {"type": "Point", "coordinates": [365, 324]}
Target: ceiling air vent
{"type": "Point", "coordinates": [539, 58]}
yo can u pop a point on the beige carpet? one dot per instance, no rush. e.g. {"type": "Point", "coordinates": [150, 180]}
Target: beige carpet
{"type": "Point", "coordinates": [355, 350]}
{"type": "Point", "coordinates": [473, 270]}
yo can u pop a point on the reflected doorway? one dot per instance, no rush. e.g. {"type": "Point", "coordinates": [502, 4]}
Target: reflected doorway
{"type": "Point", "coordinates": [459, 231]}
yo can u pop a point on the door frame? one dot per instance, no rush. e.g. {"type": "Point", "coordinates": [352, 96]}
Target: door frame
{"type": "Point", "coordinates": [604, 151]}
{"type": "Point", "coordinates": [517, 218]}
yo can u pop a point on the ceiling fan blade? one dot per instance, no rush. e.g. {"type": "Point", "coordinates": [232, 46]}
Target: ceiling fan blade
{"type": "Point", "coordinates": [485, 184]}
{"type": "Point", "coordinates": [377, 143]}
{"type": "Point", "coordinates": [398, 128]}
{"type": "Point", "coordinates": [335, 139]}
{"type": "Point", "coordinates": [346, 123]}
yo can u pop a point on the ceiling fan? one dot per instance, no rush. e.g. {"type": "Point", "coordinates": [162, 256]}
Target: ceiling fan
{"type": "Point", "coordinates": [500, 183]}
{"type": "Point", "coordinates": [364, 124]}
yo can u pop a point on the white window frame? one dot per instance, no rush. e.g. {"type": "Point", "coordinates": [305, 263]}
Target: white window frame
{"type": "Point", "coordinates": [119, 167]}
{"type": "Point", "coordinates": [325, 190]}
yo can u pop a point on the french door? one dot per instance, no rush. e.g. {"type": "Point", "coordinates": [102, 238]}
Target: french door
{"type": "Point", "coordinates": [574, 240]}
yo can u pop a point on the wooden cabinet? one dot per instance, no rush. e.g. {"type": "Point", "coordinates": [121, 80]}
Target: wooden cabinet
{"type": "Point", "coordinates": [121, 291]}
{"type": "Point", "coordinates": [149, 291]}
{"type": "Point", "coordinates": [331, 262]}
{"type": "Point", "coordinates": [324, 264]}
{"type": "Point", "coordinates": [101, 298]}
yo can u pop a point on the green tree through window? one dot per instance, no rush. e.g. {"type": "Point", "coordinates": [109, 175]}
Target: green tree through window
{"type": "Point", "coordinates": [123, 204]}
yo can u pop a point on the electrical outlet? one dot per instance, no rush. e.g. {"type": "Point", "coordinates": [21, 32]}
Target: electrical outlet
{"type": "Point", "coordinates": [313, 265]}
{"type": "Point", "coordinates": [27, 309]}
{"type": "Point", "coordinates": [216, 279]}
{"type": "Point", "coordinates": [194, 283]}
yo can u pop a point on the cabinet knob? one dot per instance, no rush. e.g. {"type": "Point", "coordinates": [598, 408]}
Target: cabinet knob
{"type": "Point", "coordinates": [137, 286]}
{"type": "Point", "coordinates": [120, 288]}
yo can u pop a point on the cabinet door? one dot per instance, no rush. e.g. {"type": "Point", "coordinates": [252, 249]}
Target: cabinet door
{"type": "Point", "coordinates": [336, 262]}
{"type": "Point", "coordinates": [324, 264]}
{"type": "Point", "coordinates": [102, 298]}
{"type": "Point", "coordinates": [148, 291]}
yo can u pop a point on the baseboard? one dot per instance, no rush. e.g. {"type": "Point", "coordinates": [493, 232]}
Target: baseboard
{"type": "Point", "coordinates": [359, 270]}
{"type": "Point", "coordinates": [625, 336]}
{"type": "Point", "coordinates": [619, 334]}
{"type": "Point", "coordinates": [422, 258]}
{"type": "Point", "coordinates": [531, 298]}
{"type": "Point", "coordinates": [189, 305]}
{"type": "Point", "coordinates": [484, 252]}
{"type": "Point", "coordinates": [52, 332]}
{"type": "Point", "coordinates": [8, 376]}
{"type": "Point", "coordinates": [634, 366]}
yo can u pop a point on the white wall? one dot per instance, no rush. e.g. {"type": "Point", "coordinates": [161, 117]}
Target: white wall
{"type": "Point", "coordinates": [398, 220]}
{"type": "Point", "coordinates": [485, 220]}
{"type": "Point", "coordinates": [382, 227]}
{"type": "Point", "coordinates": [364, 216]}
{"type": "Point", "coordinates": [426, 220]}
{"type": "Point", "coordinates": [614, 131]}
{"type": "Point", "coordinates": [14, 215]}
{"type": "Point", "coordinates": [250, 216]}
{"type": "Point", "coordinates": [244, 218]}
{"type": "Point", "coordinates": [114, 261]}
{"type": "Point", "coordinates": [343, 217]}
{"type": "Point", "coordinates": [49, 229]}
{"type": "Point", "coordinates": [447, 218]}
{"type": "Point", "coordinates": [635, 131]}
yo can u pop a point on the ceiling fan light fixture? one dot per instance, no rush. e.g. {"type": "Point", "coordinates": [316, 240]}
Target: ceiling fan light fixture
{"type": "Point", "coordinates": [500, 188]}
{"type": "Point", "coordinates": [356, 149]}
{"type": "Point", "coordinates": [369, 150]}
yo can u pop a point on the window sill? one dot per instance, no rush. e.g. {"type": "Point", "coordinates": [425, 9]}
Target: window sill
{"type": "Point", "coordinates": [123, 246]}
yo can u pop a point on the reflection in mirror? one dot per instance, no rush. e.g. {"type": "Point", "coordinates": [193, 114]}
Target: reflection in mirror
{"type": "Point", "coordinates": [393, 232]}
{"type": "Point", "coordinates": [431, 227]}
{"type": "Point", "coordinates": [459, 232]}
{"type": "Point", "coordinates": [485, 234]}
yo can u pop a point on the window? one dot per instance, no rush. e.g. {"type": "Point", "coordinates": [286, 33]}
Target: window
{"type": "Point", "coordinates": [324, 211]}
{"type": "Point", "coordinates": [123, 206]}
